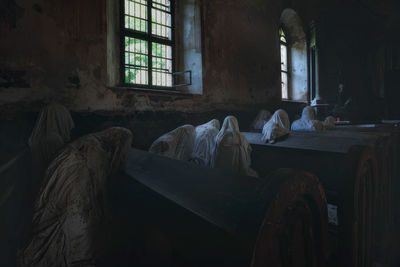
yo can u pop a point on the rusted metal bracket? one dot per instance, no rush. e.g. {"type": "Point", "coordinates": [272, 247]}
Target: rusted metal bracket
{"type": "Point", "coordinates": [174, 74]}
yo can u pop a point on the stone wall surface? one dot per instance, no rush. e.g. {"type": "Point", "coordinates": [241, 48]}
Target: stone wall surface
{"type": "Point", "coordinates": [56, 51]}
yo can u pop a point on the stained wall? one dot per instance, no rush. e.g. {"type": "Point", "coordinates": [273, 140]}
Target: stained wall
{"type": "Point", "coordinates": [56, 50]}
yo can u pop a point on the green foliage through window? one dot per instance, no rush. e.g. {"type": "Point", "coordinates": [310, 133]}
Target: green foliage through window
{"type": "Point", "coordinates": [145, 58]}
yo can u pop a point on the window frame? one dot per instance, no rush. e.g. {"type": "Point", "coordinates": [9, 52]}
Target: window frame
{"type": "Point", "coordinates": [150, 38]}
{"type": "Point", "coordinates": [286, 44]}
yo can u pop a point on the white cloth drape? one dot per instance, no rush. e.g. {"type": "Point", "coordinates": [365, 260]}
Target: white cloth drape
{"type": "Point", "coordinates": [261, 119]}
{"type": "Point", "coordinates": [232, 151]}
{"type": "Point", "coordinates": [21, 175]}
{"type": "Point", "coordinates": [70, 207]}
{"type": "Point", "coordinates": [204, 142]}
{"type": "Point", "coordinates": [307, 122]}
{"type": "Point", "coordinates": [51, 132]}
{"type": "Point", "coordinates": [276, 127]}
{"type": "Point", "coordinates": [176, 144]}
{"type": "Point", "coordinates": [329, 123]}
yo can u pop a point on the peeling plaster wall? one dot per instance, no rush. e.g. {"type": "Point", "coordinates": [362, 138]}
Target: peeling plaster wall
{"type": "Point", "coordinates": [58, 47]}
{"type": "Point", "coordinates": [61, 48]}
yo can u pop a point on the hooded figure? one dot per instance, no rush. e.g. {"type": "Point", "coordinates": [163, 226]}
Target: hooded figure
{"type": "Point", "coordinates": [177, 144]}
{"type": "Point", "coordinates": [278, 126]}
{"type": "Point", "coordinates": [20, 177]}
{"type": "Point", "coordinates": [329, 123]}
{"type": "Point", "coordinates": [51, 132]}
{"type": "Point", "coordinates": [70, 209]}
{"type": "Point", "coordinates": [307, 122]}
{"type": "Point", "coordinates": [232, 151]}
{"type": "Point", "coordinates": [261, 119]}
{"type": "Point", "coordinates": [204, 142]}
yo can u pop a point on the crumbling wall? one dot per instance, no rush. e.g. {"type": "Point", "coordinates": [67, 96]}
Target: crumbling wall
{"type": "Point", "coordinates": [57, 51]}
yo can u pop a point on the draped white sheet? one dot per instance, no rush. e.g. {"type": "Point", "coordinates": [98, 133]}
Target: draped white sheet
{"type": "Point", "coordinates": [21, 175]}
{"type": "Point", "coordinates": [307, 122]}
{"type": "Point", "coordinates": [51, 132]}
{"type": "Point", "coordinates": [262, 118]}
{"type": "Point", "coordinates": [329, 123]}
{"type": "Point", "coordinates": [278, 126]}
{"type": "Point", "coordinates": [71, 205]}
{"type": "Point", "coordinates": [176, 144]}
{"type": "Point", "coordinates": [204, 142]}
{"type": "Point", "coordinates": [232, 151]}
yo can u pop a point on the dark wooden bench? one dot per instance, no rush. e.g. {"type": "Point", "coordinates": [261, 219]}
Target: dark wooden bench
{"type": "Point", "coordinates": [348, 173]}
{"type": "Point", "coordinates": [175, 213]}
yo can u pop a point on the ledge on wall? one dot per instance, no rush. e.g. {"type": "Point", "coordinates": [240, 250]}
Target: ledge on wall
{"type": "Point", "coordinates": [295, 101]}
{"type": "Point", "coordinates": [150, 90]}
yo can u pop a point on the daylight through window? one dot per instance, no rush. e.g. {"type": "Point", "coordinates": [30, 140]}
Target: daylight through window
{"type": "Point", "coordinates": [284, 64]}
{"type": "Point", "coordinates": [147, 44]}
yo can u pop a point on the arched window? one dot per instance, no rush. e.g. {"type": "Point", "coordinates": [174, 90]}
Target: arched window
{"type": "Point", "coordinates": [293, 48]}
{"type": "Point", "coordinates": [284, 64]}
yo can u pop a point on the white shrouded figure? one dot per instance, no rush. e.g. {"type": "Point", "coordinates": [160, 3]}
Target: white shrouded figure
{"type": "Point", "coordinates": [329, 123]}
{"type": "Point", "coordinates": [176, 144]}
{"type": "Point", "coordinates": [232, 151]}
{"type": "Point", "coordinates": [278, 126]}
{"type": "Point", "coordinates": [307, 122]}
{"type": "Point", "coordinates": [261, 119]}
{"type": "Point", "coordinates": [204, 142]}
{"type": "Point", "coordinates": [70, 209]}
{"type": "Point", "coordinates": [22, 174]}
{"type": "Point", "coordinates": [51, 132]}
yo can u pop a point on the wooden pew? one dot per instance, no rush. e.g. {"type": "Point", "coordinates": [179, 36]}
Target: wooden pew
{"type": "Point", "coordinates": [179, 214]}
{"type": "Point", "coordinates": [348, 173]}
{"type": "Point", "coordinates": [387, 247]}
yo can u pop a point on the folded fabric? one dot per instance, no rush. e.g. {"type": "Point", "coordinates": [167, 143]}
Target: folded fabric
{"type": "Point", "coordinates": [278, 126]}
{"type": "Point", "coordinates": [70, 210]}
{"type": "Point", "coordinates": [329, 123]}
{"type": "Point", "coordinates": [307, 122]}
{"type": "Point", "coordinates": [204, 142]}
{"type": "Point", "coordinates": [261, 119]}
{"type": "Point", "coordinates": [51, 132]}
{"type": "Point", "coordinates": [176, 144]}
{"type": "Point", "coordinates": [232, 151]}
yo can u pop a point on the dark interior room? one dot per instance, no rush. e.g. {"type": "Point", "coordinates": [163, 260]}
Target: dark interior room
{"type": "Point", "coordinates": [197, 133]}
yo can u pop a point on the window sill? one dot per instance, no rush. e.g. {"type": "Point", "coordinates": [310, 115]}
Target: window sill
{"type": "Point", "coordinates": [294, 101]}
{"type": "Point", "coordinates": [153, 91]}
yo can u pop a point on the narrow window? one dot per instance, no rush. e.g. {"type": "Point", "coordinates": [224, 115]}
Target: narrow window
{"type": "Point", "coordinates": [284, 64]}
{"type": "Point", "coordinates": [147, 43]}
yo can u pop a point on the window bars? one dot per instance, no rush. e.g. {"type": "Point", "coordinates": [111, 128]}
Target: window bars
{"type": "Point", "coordinates": [147, 44]}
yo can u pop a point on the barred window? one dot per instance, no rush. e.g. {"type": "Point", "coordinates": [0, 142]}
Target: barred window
{"type": "Point", "coordinates": [147, 45]}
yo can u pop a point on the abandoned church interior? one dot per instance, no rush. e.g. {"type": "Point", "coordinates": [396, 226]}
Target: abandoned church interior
{"type": "Point", "coordinates": [197, 133]}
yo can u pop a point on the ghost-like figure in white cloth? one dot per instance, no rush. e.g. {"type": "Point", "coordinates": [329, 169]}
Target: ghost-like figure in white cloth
{"type": "Point", "coordinates": [21, 175]}
{"type": "Point", "coordinates": [71, 208]}
{"type": "Point", "coordinates": [176, 144]}
{"type": "Point", "coordinates": [329, 123]}
{"type": "Point", "coordinates": [51, 132]}
{"type": "Point", "coordinates": [261, 119]}
{"type": "Point", "coordinates": [204, 142]}
{"type": "Point", "coordinates": [232, 151]}
{"type": "Point", "coordinates": [307, 122]}
{"type": "Point", "coordinates": [277, 127]}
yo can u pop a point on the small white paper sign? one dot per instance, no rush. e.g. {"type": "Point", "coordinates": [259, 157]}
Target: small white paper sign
{"type": "Point", "coordinates": [332, 214]}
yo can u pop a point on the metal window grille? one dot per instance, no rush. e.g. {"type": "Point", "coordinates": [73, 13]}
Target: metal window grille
{"type": "Point", "coordinates": [147, 43]}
